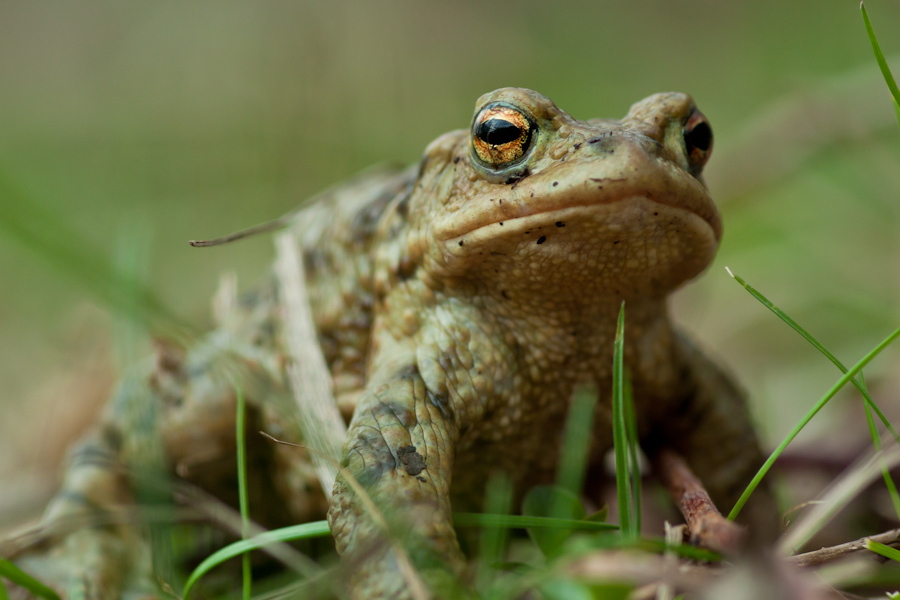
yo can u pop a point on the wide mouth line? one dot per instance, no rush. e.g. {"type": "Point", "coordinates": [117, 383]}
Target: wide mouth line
{"type": "Point", "coordinates": [623, 198]}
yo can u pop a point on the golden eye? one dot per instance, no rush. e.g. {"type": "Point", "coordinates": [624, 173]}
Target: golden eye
{"type": "Point", "coordinates": [501, 135]}
{"type": "Point", "coordinates": [698, 141]}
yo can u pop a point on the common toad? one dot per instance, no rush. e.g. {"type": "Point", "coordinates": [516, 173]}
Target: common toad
{"type": "Point", "coordinates": [459, 305]}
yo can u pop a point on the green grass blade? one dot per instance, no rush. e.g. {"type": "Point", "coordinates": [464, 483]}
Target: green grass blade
{"type": "Point", "coordinates": [859, 382]}
{"type": "Point", "coordinates": [634, 454]}
{"type": "Point", "coordinates": [620, 432]}
{"type": "Point", "coordinates": [882, 63]}
{"type": "Point", "coordinates": [809, 415]}
{"type": "Point", "coordinates": [576, 443]}
{"type": "Point", "coordinates": [3, 593]}
{"type": "Point", "coordinates": [22, 579]}
{"type": "Point", "coordinates": [883, 549]}
{"type": "Point", "coordinates": [286, 534]}
{"type": "Point", "coordinates": [885, 472]}
{"type": "Point", "coordinates": [498, 500]}
{"type": "Point", "coordinates": [242, 485]}
{"type": "Point", "coordinates": [526, 522]}
{"type": "Point", "coordinates": [860, 385]}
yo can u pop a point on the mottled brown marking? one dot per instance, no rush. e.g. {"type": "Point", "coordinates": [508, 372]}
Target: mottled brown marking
{"type": "Point", "coordinates": [412, 461]}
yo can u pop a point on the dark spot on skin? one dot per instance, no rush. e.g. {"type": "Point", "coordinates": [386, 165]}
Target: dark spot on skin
{"type": "Point", "coordinates": [441, 402]}
{"type": "Point", "coordinates": [542, 239]}
{"type": "Point", "coordinates": [456, 159]}
{"type": "Point", "coordinates": [403, 205]}
{"type": "Point", "coordinates": [576, 146]}
{"type": "Point", "coordinates": [606, 144]}
{"type": "Point", "coordinates": [460, 242]}
{"type": "Point", "coordinates": [515, 178]}
{"type": "Point", "coordinates": [560, 224]}
{"type": "Point", "coordinates": [379, 459]}
{"type": "Point", "coordinates": [408, 372]}
{"type": "Point", "coordinates": [406, 269]}
{"type": "Point", "coordinates": [313, 261]}
{"type": "Point", "coordinates": [656, 213]}
{"type": "Point", "coordinates": [504, 294]}
{"type": "Point", "coordinates": [411, 460]}
{"type": "Point", "coordinates": [527, 232]}
{"type": "Point", "coordinates": [422, 479]}
{"type": "Point", "coordinates": [555, 183]}
{"type": "Point", "coordinates": [113, 438]}
{"type": "Point", "coordinates": [421, 170]}
{"type": "Point", "coordinates": [501, 223]}
{"type": "Point", "coordinates": [366, 220]}
{"type": "Point", "coordinates": [616, 242]}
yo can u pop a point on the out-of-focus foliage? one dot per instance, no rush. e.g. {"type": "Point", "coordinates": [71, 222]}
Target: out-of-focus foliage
{"type": "Point", "coordinates": [191, 120]}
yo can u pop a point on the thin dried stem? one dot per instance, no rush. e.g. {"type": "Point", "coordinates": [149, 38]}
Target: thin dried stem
{"type": "Point", "coordinates": [266, 227]}
{"type": "Point", "coordinates": [832, 553]}
{"type": "Point", "coordinates": [707, 525]}
{"type": "Point", "coordinates": [320, 421]}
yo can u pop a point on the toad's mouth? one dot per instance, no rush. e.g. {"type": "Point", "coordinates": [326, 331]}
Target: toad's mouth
{"type": "Point", "coordinates": [694, 209]}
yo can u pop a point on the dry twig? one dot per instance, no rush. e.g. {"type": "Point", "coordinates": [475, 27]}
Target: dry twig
{"type": "Point", "coordinates": [707, 525]}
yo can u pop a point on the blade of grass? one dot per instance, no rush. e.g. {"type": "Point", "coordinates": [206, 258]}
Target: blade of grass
{"type": "Point", "coordinates": [576, 443]}
{"type": "Point", "coordinates": [634, 453]}
{"type": "Point", "coordinates": [498, 499]}
{"type": "Point", "coordinates": [883, 549]}
{"type": "Point", "coordinates": [885, 472]}
{"type": "Point", "coordinates": [3, 594]}
{"type": "Point", "coordinates": [286, 534]}
{"type": "Point", "coordinates": [22, 579]}
{"type": "Point", "coordinates": [242, 485]}
{"type": "Point", "coordinates": [859, 383]}
{"type": "Point", "coordinates": [620, 433]}
{"type": "Point", "coordinates": [526, 522]}
{"type": "Point", "coordinates": [809, 415]}
{"type": "Point", "coordinates": [132, 259]}
{"type": "Point", "coordinates": [841, 490]}
{"type": "Point", "coordinates": [848, 485]}
{"type": "Point", "coordinates": [882, 63]}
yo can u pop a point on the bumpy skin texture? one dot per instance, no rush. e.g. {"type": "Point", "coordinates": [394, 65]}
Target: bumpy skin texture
{"type": "Point", "coordinates": [459, 305]}
{"type": "Point", "coordinates": [496, 294]}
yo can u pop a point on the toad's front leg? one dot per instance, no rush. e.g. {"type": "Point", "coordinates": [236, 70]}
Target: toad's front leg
{"type": "Point", "coordinates": [400, 450]}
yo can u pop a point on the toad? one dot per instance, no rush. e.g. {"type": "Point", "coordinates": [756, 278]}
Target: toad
{"type": "Point", "coordinates": [459, 305]}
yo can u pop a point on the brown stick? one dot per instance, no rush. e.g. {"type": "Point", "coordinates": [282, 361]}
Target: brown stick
{"type": "Point", "coordinates": [824, 555]}
{"type": "Point", "coordinates": [707, 525]}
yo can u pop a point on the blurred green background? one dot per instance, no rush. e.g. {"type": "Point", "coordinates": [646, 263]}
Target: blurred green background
{"type": "Point", "coordinates": [141, 125]}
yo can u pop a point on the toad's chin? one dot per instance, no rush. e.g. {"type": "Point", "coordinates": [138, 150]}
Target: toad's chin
{"type": "Point", "coordinates": [634, 245]}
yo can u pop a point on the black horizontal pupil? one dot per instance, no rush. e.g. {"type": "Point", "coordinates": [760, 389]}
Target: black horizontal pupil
{"type": "Point", "coordinates": [700, 137]}
{"type": "Point", "coordinates": [498, 131]}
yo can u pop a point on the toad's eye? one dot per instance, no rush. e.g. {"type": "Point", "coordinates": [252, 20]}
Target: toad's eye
{"type": "Point", "coordinates": [698, 141]}
{"type": "Point", "coordinates": [501, 135]}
